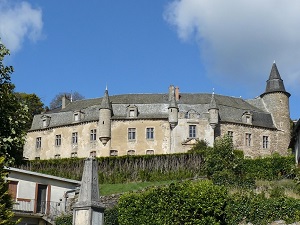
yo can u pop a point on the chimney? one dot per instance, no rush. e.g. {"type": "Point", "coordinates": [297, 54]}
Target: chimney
{"type": "Point", "coordinates": [64, 102]}
{"type": "Point", "coordinates": [171, 92]}
{"type": "Point", "coordinates": [177, 93]}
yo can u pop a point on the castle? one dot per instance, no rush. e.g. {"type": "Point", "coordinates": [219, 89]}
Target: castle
{"type": "Point", "coordinates": [138, 124]}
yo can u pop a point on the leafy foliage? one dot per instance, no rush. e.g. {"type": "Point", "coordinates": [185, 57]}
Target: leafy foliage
{"type": "Point", "coordinates": [34, 104]}
{"type": "Point", "coordinates": [56, 101]}
{"type": "Point", "coordinates": [6, 203]}
{"type": "Point", "coordinates": [179, 203]}
{"type": "Point", "coordinates": [13, 115]}
{"type": "Point", "coordinates": [111, 216]}
{"type": "Point", "coordinates": [261, 210]}
{"type": "Point", "coordinates": [64, 219]}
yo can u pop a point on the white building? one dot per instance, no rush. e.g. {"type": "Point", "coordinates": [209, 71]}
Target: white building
{"type": "Point", "coordinates": [38, 197]}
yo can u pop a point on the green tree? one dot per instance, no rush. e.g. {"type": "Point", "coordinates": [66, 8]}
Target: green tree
{"type": "Point", "coordinates": [13, 115]}
{"type": "Point", "coordinates": [34, 104]}
{"type": "Point", "coordinates": [6, 203]}
{"type": "Point", "coordinates": [56, 101]}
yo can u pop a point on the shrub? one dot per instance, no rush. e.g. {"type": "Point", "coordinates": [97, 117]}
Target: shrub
{"type": "Point", "coordinates": [180, 203]}
{"type": "Point", "coordinates": [64, 219]}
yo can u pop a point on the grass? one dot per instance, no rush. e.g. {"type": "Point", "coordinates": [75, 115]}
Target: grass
{"type": "Point", "coordinates": [109, 189]}
{"type": "Point", "coordinates": [291, 189]}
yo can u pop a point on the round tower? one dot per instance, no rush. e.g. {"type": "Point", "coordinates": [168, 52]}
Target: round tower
{"type": "Point", "coordinates": [213, 112]}
{"type": "Point", "coordinates": [105, 119]}
{"type": "Point", "coordinates": [276, 101]}
{"type": "Point", "coordinates": [173, 108]}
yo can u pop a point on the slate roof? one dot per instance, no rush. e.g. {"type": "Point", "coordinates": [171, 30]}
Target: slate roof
{"type": "Point", "coordinates": [155, 106]}
{"type": "Point", "coordinates": [275, 83]}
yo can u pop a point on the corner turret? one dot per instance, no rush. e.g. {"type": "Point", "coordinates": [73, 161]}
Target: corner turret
{"type": "Point", "coordinates": [213, 112]}
{"type": "Point", "coordinates": [173, 108]}
{"type": "Point", "coordinates": [105, 119]}
{"type": "Point", "coordinates": [276, 101]}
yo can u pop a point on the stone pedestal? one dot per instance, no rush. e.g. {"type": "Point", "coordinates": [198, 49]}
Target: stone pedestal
{"type": "Point", "coordinates": [88, 210]}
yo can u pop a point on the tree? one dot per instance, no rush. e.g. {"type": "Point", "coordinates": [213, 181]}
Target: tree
{"type": "Point", "coordinates": [56, 101]}
{"type": "Point", "coordinates": [13, 115]}
{"type": "Point", "coordinates": [6, 203]}
{"type": "Point", "coordinates": [34, 104]}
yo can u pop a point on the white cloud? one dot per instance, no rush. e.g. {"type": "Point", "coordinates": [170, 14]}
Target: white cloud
{"type": "Point", "coordinates": [19, 20]}
{"type": "Point", "coordinates": [239, 38]}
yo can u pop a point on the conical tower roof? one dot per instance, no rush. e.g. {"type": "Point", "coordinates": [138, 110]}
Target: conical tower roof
{"type": "Point", "coordinates": [172, 98]}
{"type": "Point", "coordinates": [105, 104]}
{"type": "Point", "coordinates": [213, 103]}
{"type": "Point", "coordinates": [275, 83]}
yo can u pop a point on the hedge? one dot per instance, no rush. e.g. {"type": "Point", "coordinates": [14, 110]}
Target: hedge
{"type": "Point", "coordinates": [179, 203]}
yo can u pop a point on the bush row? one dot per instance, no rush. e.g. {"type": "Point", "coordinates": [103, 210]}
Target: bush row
{"type": "Point", "coordinates": [166, 167]}
{"type": "Point", "coordinates": [126, 168]}
{"type": "Point", "coordinates": [202, 202]}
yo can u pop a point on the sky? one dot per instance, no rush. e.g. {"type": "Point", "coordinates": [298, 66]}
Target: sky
{"type": "Point", "coordinates": [143, 46]}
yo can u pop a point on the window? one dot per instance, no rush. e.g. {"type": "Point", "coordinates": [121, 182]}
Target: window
{"type": "Point", "coordinates": [38, 144]}
{"type": "Point", "coordinates": [149, 152]}
{"type": "Point", "coordinates": [37, 158]}
{"type": "Point", "coordinates": [57, 156]}
{"type": "Point", "coordinates": [131, 113]}
{"type": "Point", "coordinates": [76, 117]}
{"type": "Point", "coordinates": [74, 138]}
{"type": "Point", "coordinates": [93, 135]}
{"type": "Point", "coordinates": [113, 152]}
{"type": "Point", "coordinates": [131, 133]}
{"type": "Point", "coordinates": [192, 131]}
{"type": "Point", "coordinates": [58, 140]}
{"type": "Point", "coordinates": [73, 154]}
{"type": "Point", "coordinates": [248, 139]}
{"type": "Point", "coordinates": [150, 133]}
{"type": "Point", "coordinates": [93, 153]}
{"type": "Point", "coordinates": [46, 121]}
{"type": "Point", "coordinates": [230, 134]}
{"type": "Point", "coordinates": [130, 152]}
{"type": "Point", "coordinates": [265, 141]}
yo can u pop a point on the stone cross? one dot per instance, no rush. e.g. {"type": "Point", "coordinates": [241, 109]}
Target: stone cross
{"type": "Point", "coordinates": [88, 210]}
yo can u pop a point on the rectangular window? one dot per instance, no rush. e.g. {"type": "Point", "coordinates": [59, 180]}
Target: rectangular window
{"type": "Point", "coordinates": [93, 153]}
{"type": "Point", "coordinates": [230, 134]}
{"type": "Point", "coordinates": [74, 138]}
{"type": "Point", "coordinates": [265, 141]}
{"type": "Point", "coordinates": [131, 113]}
{"type": "Point", "coordinates": [150, 133]}
{"type": "Point", "coordinates": [58, 140]}
{"type": "Point", "coordinates": [93, 135]}
{"type": "Point", "coordinates": [248, 139]}
{"type": "Point", "coordinates": [113, 153]}
{"type": "Point", "coordinates": [149, 152]}
{"type": "Point", "coordinates": [38, 144]}
{"type": "Point", "coordinates": [131, 152]}
{"type": "Point", "coordinates": [73, 154]}
{"type": "Point", "coordinates": [192, 131]}
{"type": "Point", "coordinates": [57, 156]}
{"type": "Point", "coordinates": [76, 117]}
{"type": "Point", "coordinates": [131, 133]}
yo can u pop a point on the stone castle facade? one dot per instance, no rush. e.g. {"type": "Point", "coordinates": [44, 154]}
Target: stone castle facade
{"type": "Point", "coordinates": [167, 123]}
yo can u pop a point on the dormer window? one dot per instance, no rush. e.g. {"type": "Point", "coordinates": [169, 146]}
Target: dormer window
{"type": "Point", "coordinates": [45, 121]}
{"type": "Point", "coordinates": [132, 111]}
{"type": "Point", "coordinates": [77, 116]}
{"type": "Point", "coordinates": [247, 117]}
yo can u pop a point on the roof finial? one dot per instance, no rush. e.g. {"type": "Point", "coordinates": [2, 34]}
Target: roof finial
{"type": "Point", "coordinates": [71, 97]}
{"type": "Point", "coordinates": [213, 91]}
{"type": "Point", "coordinates": [274, 61]}
{"type": "Point", "coordinates": [106, 87]}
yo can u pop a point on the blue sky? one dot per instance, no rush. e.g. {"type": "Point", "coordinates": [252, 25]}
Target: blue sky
{"type": "Point", "coordinates": [143, 46]}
